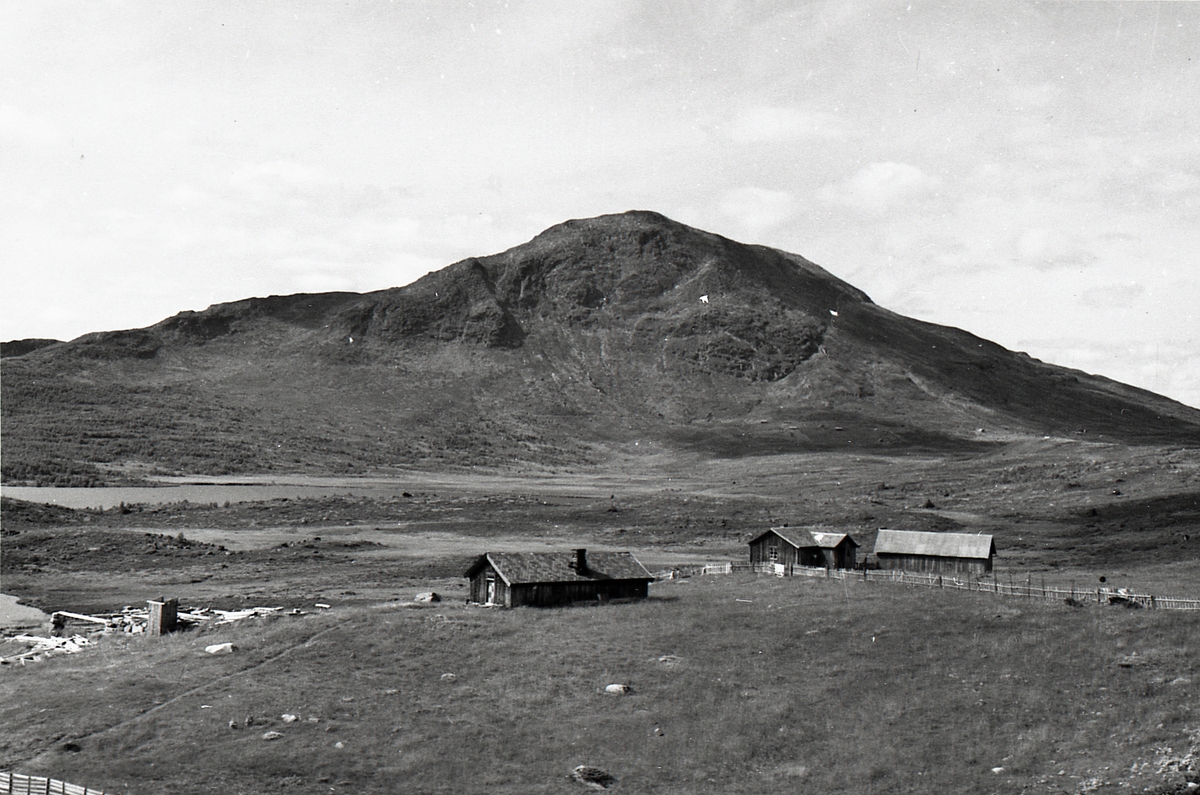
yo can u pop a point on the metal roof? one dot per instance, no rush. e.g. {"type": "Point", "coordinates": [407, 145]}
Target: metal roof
{"type": "Point", "coordinates": [518, 568]}
{"type": "Point", "coordinates": [939, 545]}
{"type": "Point", "coordinates": [831, 540]}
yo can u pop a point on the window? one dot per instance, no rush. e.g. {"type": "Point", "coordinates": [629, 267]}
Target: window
{"type": "Point", "coordinates": [773, 554]}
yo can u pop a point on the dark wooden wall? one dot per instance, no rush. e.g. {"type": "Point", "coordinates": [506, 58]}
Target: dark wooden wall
{"type": "Point", "coordinates": [549, 594]}
{"type": "Point", "coordinates": [479, 587]}
{"type": "Point", "coordinates": [840, 557]}
{"type": "Point", "coordinates": [936, 565]}
{"type": "Point", "coordinates": [788, 554]}
{"type": "Point", "coordinates": [555, 593]}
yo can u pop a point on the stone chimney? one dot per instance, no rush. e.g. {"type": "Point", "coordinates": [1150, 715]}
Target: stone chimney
{"type": "Point", "coordinates": [580, 563]}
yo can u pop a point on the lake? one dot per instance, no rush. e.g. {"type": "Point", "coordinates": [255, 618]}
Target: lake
{"type": "Point", "coordinates": [251, 488]}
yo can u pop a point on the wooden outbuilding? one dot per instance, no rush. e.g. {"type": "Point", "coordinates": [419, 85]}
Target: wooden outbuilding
{"type": "Point", "coordinates": [786, 546]}
{"type": "Point", "coordinates": [940, 553]}
{"type": "Point", "coordinates": [546, 579]}
{"type": "Point", "coordinates": [839, 549]}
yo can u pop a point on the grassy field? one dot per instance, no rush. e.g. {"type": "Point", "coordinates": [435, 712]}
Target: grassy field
{"type": "Point", "coordinates": [738, 684]}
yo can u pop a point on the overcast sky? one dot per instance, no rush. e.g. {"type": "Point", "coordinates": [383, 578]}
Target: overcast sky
{"type": "Point", "coordinates": [1027, 171]}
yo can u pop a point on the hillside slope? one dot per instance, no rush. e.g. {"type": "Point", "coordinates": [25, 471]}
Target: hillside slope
{"type": "Point", "coordinates": [603, 337]}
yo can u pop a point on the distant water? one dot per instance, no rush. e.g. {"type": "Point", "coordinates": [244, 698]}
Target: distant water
{"type": "Point", "coordinates": [15, 616]}
{"type": "Point", "coordinates": [110, 497]}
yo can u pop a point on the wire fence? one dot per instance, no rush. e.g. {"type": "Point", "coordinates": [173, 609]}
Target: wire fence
{"type": "Point", "coordinates": [17, 784]}
{"type": "Point", "coordinates": [993, 585]}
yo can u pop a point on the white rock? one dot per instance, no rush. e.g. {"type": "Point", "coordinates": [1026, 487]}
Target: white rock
{"type": "Point", "coordinates": [221, 648]}
{"type": "Point", "coordinates": [617, 689]}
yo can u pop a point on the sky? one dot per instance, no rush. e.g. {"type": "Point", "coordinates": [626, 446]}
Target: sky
{"type": "Point", "coordinates": [1027, 171]}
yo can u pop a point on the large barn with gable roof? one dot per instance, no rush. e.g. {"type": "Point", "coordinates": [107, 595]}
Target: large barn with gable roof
{"type": "Point", "coordinates": [940, 553]}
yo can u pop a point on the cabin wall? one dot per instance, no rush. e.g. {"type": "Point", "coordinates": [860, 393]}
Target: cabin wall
{"type": "Point", "coordinates": [787, 554]}
{"type": "Point", "coordinates": [479, 586]}
{"type": "Point", "coordinates": [840, 557]}
{"type": "Point", "coordinates": [935, 565]}
{"type": "Point", "coordinates": [550, 594]}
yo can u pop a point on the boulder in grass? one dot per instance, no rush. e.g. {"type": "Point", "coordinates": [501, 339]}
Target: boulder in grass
{"type": "Point", "coordinates": [617, 690]}
{"type": "Point", "coordinates": [428, 596]}
{"type": "Point", "coordinates": [221, 648]}
{"type": "Point", "coordinates": [272, 735]}
{"type": "Point", "coordinates": [593, 777]}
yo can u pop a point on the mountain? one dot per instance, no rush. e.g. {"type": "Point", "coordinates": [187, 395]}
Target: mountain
{"type": "Point", "coordinates": [617, 335]}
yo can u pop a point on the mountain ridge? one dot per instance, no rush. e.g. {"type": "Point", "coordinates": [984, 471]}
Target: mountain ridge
{"type": "Point", "coordinates": [619, 328]}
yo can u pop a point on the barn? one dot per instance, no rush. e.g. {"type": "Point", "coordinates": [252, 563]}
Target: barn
{"type": "Point", "coordinates": [839, 549]}
{"type": "Point", "coordinates": [545, 579]}
{"type": "Point", "coordinates": [786, 546]}
{"type": "Point", "coordinates": [940, 553]}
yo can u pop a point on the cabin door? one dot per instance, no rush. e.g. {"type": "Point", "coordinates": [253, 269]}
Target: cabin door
{"type": "Point", "coordinates": [491, 589]}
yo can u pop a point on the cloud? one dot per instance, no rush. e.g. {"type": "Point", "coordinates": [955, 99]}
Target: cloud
{"type": "Point", "coordinates": [1115, 296]}
{"type": "Point", "coordinates": [759, 209]}
{"type": "Point", "coordinates": [764, 124]}
{"type": "Point", "coordinates": [19, 126]}
{"type": "Point", "coordinates": [1044, 248]}
{"type": "Point", "coordinates": [879, 186]}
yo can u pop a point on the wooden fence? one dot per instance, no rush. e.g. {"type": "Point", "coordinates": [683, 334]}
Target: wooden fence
{"type": "Point", "coordinates": [993, 585]}
{"type": "Point", "coordinates": [17, 784]}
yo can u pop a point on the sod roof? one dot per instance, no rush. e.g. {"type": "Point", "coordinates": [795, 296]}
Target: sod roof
{"type": "Point", "coordinates": [541, 567]}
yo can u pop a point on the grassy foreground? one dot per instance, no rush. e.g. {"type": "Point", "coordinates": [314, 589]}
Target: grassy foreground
{"type": "Point", "coordinates": [739, 684]}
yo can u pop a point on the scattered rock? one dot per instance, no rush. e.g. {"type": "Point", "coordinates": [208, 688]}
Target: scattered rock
{"type": "Point", "coordinates": [290, 718]}
{"type": "Point", "coordinates": [221, 648]}
{"type": "Point", "coordinates": [339, 744]}
{"type": "Point", "coordinates": [272, 735]}
{"type": "Point", "coordinates": [233, 724]}
{"type": "Point", "coordinates": [428, 596]}
{"type": "Point", "coordinates": [593, 777]}
{"type": "Point", "coordinates": [617, 690]}
{"type": "Point", "coordinates": [997, 770]}
{"type": "Point", "coordinates": [448, 677]}
{"type": "Point", "coordinates": [1180, 680]}
{"type": "Point", "coordinates": [669, 661]}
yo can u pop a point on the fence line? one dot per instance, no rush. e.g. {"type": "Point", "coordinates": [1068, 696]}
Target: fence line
{"type": "Point", "coordinates": [17, 784]}
{"type": "Point", "coordinates": [1027, 590]}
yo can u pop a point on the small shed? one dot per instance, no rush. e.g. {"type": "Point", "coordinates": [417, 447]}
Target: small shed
{"type": "Point", "coordinates": [839, 549]}
{"type": "Point", "coordinates": [545, 579]}
{"type": "Point", "coordinates": [940, 553]}
{"type": "Point", "coordinates": [786, 546]}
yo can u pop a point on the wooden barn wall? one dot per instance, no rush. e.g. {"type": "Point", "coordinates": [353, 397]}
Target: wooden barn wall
{"type": "Point", "coordinates": [936, 565]}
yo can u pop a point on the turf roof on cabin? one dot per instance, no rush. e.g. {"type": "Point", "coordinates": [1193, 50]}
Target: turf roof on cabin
{"type": "Point", "coordinates": [538, 567]}
{"type": "Point", "coordinates": [796, 536]}
{"type": "Point", "coordinates": [831, 540]}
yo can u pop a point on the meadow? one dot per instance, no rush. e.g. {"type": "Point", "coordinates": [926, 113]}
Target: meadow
{"type": "Point", "coordinates": [737, 683]}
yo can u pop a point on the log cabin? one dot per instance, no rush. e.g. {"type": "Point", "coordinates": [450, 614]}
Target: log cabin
{"type": "Point", "coordinates": [546, 579]}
